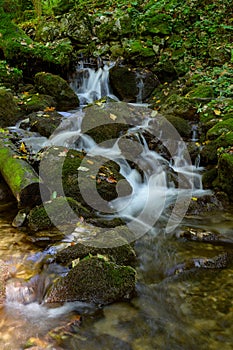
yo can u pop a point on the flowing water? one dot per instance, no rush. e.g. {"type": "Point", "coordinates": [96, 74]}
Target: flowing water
{"type": "Point", "coordinates": [189, 310]}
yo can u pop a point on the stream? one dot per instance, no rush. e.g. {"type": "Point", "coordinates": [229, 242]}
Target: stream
{"type": "Point", "coordinates": [188, 310]}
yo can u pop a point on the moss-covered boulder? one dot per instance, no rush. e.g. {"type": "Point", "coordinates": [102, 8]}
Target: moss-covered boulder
{"type": "Point", "coordinates": [57, 212]}
{"type": "Point", "coordinates": [9, 112]}
{"type": "Point", "coordinates": [112, 244]}
{"type": "Point", "coordinates": [132, 85]}
{"type": "Point", "coordinates": [220, 128]}
{"type": "Point", "coordinates": [58, 88]}
{"type": "Point", "coordinates": [210, 150]}
{"type": "Point", "coordinates": [179, 106]}
{"type": "Point", "coordinates": [181, 125]}
{"type": "Point", "coordinates": [44, 122]}
{"type": "Point", "coordinates": [108, 121]}
{"type": "Point", "coordinates": [96, 281]}
{"type": "Point", "coordinates": [92, 181]}
{"type": "Point", "coordinates": [35, 102]}
{"type": "Point", "coordinates": [225, 173]}
{"type": "Point", "coordinates": [202, 92]}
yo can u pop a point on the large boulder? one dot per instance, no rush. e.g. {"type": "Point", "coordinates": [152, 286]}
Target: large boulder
{"type": "Point", "coordinates": [44, 122]}
{"type": "Point", "coordinates": [225, 173]}
{"type": "Point", "coordinates": [92, 181]}
{"type": "Point", "coordinates": [57, 212]}
{"type": "Point", "coordinates": [132, 85]}
{"type": "Point", "coordinates": [94, 280]}
{"type": "Point", "coordinates": [9, 112]}
{"type": "Point", "coordinates": [112, 244]}
{"type": "Point", "coordinates": [58, 88]}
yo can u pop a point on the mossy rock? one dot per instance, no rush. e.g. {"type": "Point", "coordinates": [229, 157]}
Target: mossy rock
{"type": "Point", "coordinates": [225, 173]}
{"type": "Point", "coordinates": [202, 91]}
{"type": "Point", "coordinates": [36, 102]}
{"type": "Point", "coordinates": [220, 129]}
{"type": "Point", "coordinates": [58, 88]}
{"type": "Point", "coordinates": [116, 247]}
{"type": "Point", "coordinates": [57, 212]}
{"type": "Point", "coordinates": [10, 77]}
{"type": "Point", "coordinates": [9, 112]}
{"type": "Point", "coordinates": [125, 81]}
{"type": "Point", "coordinates": [209, 152]}
{"type": "Point", "coordinates": [209, 177]}
{"type": "Point", "coordinates": [158, 23]}
{"type": "Point", "coordinates": [94, 280]}
{"type": "Point", "coordinates": [179, 106]}
{"type": "Point", "coordinates": [92, 181]}
{"type": "Point", "coordinates": [45, 123]}
{"type": "Point", "coordinates": [181, 125]}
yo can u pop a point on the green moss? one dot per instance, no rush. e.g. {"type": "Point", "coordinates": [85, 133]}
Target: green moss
{"type": "Point", "coordinates": [95, 280]}
{"type": "Point", "coordinates": [225, 173]}
{"type": "Point", "coordinates": [10, 76]}
{"type": "Point", "coordinates": [54, 212]}
{"type": "Point", "coordinates": [220, 129]}
{"type": "Point", "coordinates": [209, 177]}
{"type": "Point", "coordinates": [202, 92]}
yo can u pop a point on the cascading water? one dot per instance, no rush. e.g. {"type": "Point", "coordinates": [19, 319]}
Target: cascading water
{"type": "Point", "coordinates": [158, 184]}
{"type": "Point", "coordinates": [90, 83]}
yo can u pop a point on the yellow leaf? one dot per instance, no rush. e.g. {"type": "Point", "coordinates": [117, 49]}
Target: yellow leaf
{"type": "Point", "coordinates": [112, 116]}
{"type": "Point", "coordinates": [90, 162]}
{"type": "Point", "coordinates": [217, 112]}
{"type": "Point", "coordinates": [194, 198]}
{"type": "Point", "coordinates": [98, 103]}
{"type": "Point", "coordinates": [22, 148]}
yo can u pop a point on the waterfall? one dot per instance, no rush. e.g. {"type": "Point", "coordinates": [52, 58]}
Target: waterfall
{"type": "Point", "coordinates": [90, 83]}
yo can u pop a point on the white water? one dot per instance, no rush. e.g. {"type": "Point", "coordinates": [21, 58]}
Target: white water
{"type": "Point", "coordinates": [92, 84]}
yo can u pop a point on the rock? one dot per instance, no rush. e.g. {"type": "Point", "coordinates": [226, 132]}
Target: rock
{"type": "Point", "coordinates": [10, 76]}
{"type": "Point", "coordinates": [117, 248]}
{"type": "Point", "coordinates": [58, 88]}
{"type": "Point", "coordinates": [20, 218]}
{"type": "Point", "coordinates": [37, 102]}
{"type": "Point", "coordinates": [181, 125]}
{"type": "Point", "coordinates": [220, 129]}
{"type": "Point", "coordinates": [200, 235]}
{"type": "Point", "coordinates": [204, 204]}
{"type": "Point", "coordinates": [202, 92]}
{"type": "Point", "coordinates": [44, 122]}
{"type": "Point", "coordinates": [220, 261]}
{"type": "Point", "coordinates": [9, 112]}
{"type": "Point", "coordinates": [96, 281]}
{"type": "Point", "coordinates": [92, 181]}
{"type": "Point", "coordinates": [179, 106]}
{"type": "Point", "coordinates": [211, 148]}
{"type": "Point", "coordinates": [225, 173]}
{"type": "Point", "coordinates": [126, 81]}
{"type": "Point", "coordinates": [57, 212]}
{"type": "Point", "coordinates": [209, 177]}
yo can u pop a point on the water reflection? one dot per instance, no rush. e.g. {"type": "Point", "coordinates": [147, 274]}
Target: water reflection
{"type": "Point", "coordinates": [191, 310]}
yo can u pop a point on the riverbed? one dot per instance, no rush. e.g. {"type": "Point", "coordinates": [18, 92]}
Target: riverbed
{"type": "Point", "coordinates": [190, 310]}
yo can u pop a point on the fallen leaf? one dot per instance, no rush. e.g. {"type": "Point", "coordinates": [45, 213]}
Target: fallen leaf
{"type": "Point", "coordinates": [217, 112]}
{"type": "Point", "coordinates": [112, 116]}
{"type": "Point", "coordinates": [22, 148]}
{"type": "Point", "coordinates": [90, 161]}
{"type": "Point", "coordinates": [111, 180]}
